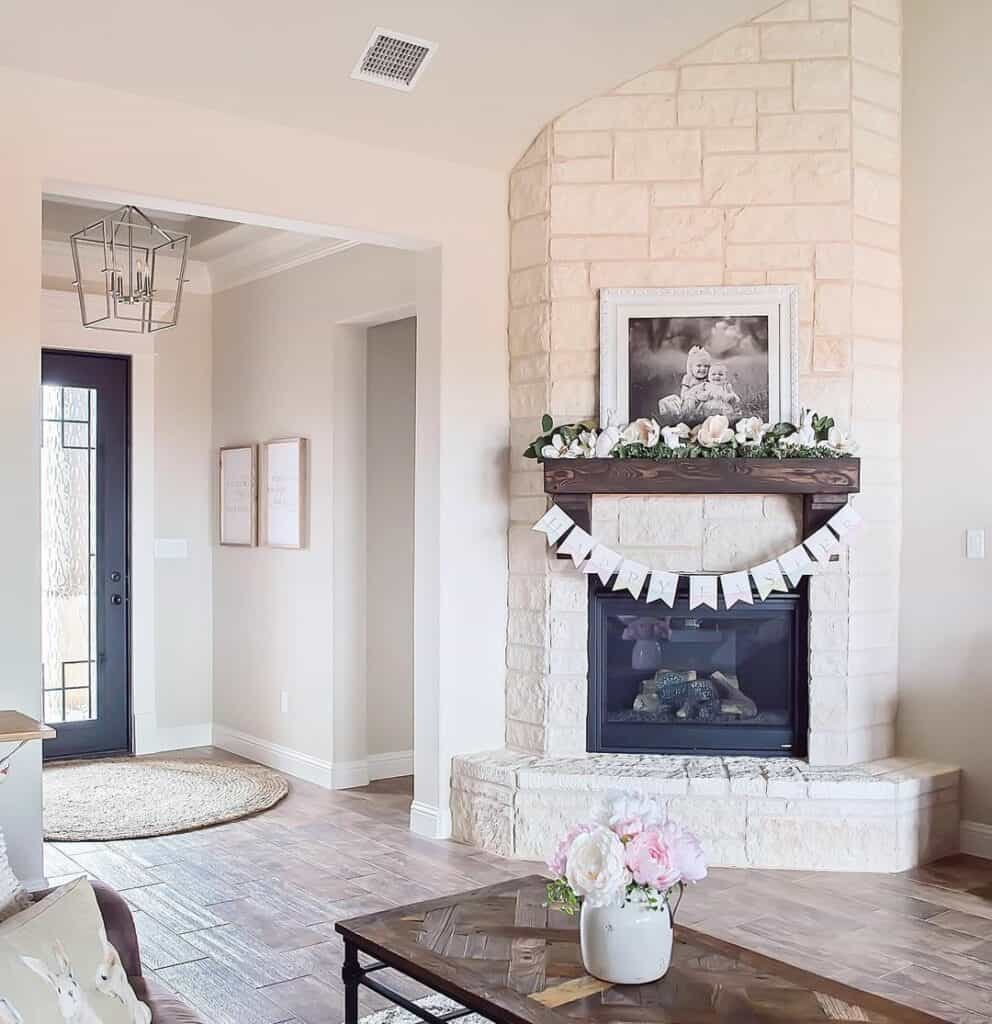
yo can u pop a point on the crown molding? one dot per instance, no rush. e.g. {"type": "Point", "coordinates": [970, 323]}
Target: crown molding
{"type": "Point", "coordinates": [267, 258]}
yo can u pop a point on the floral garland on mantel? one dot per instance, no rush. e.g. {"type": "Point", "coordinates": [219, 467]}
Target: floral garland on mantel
{"type": "Point", "coordinates": [816, 437]}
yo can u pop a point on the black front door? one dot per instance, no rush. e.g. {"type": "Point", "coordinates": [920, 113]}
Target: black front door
{"type": "Point", "coordinates": [85, 570]}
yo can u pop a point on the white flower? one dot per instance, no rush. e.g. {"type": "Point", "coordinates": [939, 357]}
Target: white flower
{"type": "Point", "coordinates": [642, 431]}
{"type": "Point", "coordinates": [804, 436]}
{"type": "Point", "coordinates": [587, 443]}
{"type": "Point", "coordinates": [750, 430]}
{"type": "Point", "coordinates": [674, 437]}
{"type": "Point", "coordinates": [620, 806]}
{"type": "Point", "coordinates": [714, 430]}
{"type": "Point", "coordinates": [555, 450]}
{"type": "Point", "coordinates": [608, 439]}
{"type": "Point", "coordinates": [840, 442]}
{"type": "Point", "coordinates": [595, 867]}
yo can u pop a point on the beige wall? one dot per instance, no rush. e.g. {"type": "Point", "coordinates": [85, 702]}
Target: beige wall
{"type": "Point", "coordinates": [391, 412]}
{"type": "Point", "coordinates": [945, 635]}
{"type": "Point", "coordinates": [285, 365]}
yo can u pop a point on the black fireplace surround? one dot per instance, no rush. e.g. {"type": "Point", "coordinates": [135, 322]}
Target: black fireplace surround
{"type": "Point", "coordinates": [697, 681]}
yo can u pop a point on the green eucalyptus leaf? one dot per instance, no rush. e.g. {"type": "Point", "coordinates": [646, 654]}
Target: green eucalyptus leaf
{"type": "Point", "coordinates": [547, 423]}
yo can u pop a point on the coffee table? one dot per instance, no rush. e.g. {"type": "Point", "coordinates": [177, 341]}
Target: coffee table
{"type": "Point", "coordinates": [499, 952]}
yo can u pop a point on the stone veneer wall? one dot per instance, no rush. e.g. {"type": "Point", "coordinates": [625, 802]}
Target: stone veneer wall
{"type": "Point", "coordinates": [771, 154]}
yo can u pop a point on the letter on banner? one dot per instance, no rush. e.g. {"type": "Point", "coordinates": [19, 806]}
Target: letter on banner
{"type": "Point", "coordinates": [736, 587]}
{"type": "Point", "coordinates": [822, 544]}
{"type": "Point", "coordinates": [553, 524]}
{"type": "Point", "coordinates": [702, 590]}
{"type": "Point", "coordinates": [662, 587]}
{"type": "Point", "coordinates": [631, 576]}
{"type": "Point", "coordinates": [603, 562]}
{"type": "Point", "coordinates": [796, 564]}
{"type": "Point", "coordinates": [578, 544]}
{"type": "Point", "coordinates": [844, 520]}
{"type": "Point", "coordinates": [768, 577]}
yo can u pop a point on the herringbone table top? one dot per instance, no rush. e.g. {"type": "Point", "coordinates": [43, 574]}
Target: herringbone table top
{"type": "Point", "coordinates": [502, 952]}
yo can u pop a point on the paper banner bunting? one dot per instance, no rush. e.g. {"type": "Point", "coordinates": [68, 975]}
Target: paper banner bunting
{"type": "Point", "coordinates": [662, 587]}
{"type": "Point", "coordinates": [768, 577]}
{"type": "Point", "coordinates": [796, 564]}
{"type": "Point", "coordinates": [631, 576]}
{"type": "Point", "coordinates": [844, 521]}
{"type": "Point", "coordinates": [822, 544]}
{"type": "Point", "coordinates": [554, 524]}
{"type": "Point", "coordinates": [577, 544]}
{"type": "Point", "coordinates": [603, 562]}
{"type": "Point", "coordinates": [736, 587]}
{"type": "Point", "coordinates": [702, 590]}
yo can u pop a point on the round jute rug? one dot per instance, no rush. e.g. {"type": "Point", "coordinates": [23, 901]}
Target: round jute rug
{"type": "Point", "coordinates": [131, 798]}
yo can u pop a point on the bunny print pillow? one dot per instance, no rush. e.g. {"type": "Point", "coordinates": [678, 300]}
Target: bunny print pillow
{"type": "Point", "coordinates": [56, 965]}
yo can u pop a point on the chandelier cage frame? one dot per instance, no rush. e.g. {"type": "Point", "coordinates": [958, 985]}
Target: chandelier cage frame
{"type": "Point", "coordinates": [134, 251]}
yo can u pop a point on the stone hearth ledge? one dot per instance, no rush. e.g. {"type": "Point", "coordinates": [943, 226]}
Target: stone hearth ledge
{"type": "Point", "coordinates": [886, 815]}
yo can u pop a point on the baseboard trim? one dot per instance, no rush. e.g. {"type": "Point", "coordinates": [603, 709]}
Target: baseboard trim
{"type": "Point", "coordinates": [391, 765]}
{"type": "Point", "coordinates": [150, 738]}
{"type": "Point", "coordinates": [976, 839]}
{"type": "Point", "coordinates": [283, 759]}
{"type": "Point", "coordinates": [424, 820]}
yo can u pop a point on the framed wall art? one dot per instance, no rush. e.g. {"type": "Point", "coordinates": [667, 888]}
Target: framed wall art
{"type": "Point", "coordinates": [682, 354]}
{"type": "Point", "coordinates": [284, 478]}
{"type": "Point", "coordinates": [238, 495]}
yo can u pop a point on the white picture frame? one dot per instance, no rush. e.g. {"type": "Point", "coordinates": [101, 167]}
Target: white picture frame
{"type": "Point", "coordinates": [238, 495]}
{"type": "Point", "coordinates": [779, 303]}
{"type": "Point", "coordinates": [284, 487]}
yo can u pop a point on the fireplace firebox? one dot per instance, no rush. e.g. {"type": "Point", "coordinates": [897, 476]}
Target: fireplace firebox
{"type": "Point", "coordinates": [677, 680]}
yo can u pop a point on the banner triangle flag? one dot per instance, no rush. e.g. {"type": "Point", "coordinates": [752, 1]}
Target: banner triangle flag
{"type": "Point", "coordinates": [796, 564]}
{"type": "Point", "coordinates": [663, 587]}
{"type": "Point", "coordinates": [603, 562]}
{"type": "Point", "coordinates": [768, 577]}
{"type": "Point", "coordinates": [736, 587]}
{"type": "Point", "coordinates": [553, 524]}
{"type": "Point", "coordinates": [631, 577]}
{"type": "Point", "coordinates": [577, 544]}
{"type": "Point", "coordinates": [844, 520]}
{"type": "Point", "coordinates": [822, 544]}
{"type": "Point", "coordinates": [702, 590]}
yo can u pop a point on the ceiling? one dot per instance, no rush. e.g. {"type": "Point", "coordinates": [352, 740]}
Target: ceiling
{"type": "Point", "coordinates": [502, 69]}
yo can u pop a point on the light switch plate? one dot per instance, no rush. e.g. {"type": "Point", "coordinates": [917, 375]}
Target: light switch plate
{"type": "Point", "coordinates": [974, 543]}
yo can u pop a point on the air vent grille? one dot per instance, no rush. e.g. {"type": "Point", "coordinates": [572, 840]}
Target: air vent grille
{"type": "Point", "coordinates": [393, 59]}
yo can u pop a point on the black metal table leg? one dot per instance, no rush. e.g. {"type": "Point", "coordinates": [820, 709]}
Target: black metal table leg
{"type": "Point", "coordinates": [351, 975]}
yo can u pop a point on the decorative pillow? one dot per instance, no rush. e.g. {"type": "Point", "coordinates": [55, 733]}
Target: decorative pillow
{"type": "Point", "coordinates": [56, 965]}
{"type": "Point", "coordinates": [13, 898]}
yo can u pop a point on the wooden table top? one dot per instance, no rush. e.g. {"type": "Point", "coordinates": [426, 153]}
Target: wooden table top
{"type": "Point", "coordinates": [16, 728]}
{"type": "Point", "coordinates": [501, 952]}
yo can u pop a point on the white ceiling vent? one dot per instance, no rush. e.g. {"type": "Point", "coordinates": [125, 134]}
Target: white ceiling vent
{"type": "Point", "coordinates": [393, 59]}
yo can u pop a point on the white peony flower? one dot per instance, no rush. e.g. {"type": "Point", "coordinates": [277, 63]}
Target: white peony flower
{"type": "Point", "coordinates": [608, 439]}
{"type": "Point", "coordinates": [595, 867]}
{"type": "Point", "coordinates": [675, 437]}
{"type": "Point", "coordinates": [840, 442]}
{"type": "Point", "coordinates": [750, 430]}
{"type": "Point", "coordinates": [620, 806]}
{"type": "Point", "coordinates": [714, 430]}
{"type": "Point", "coordinates": [642, 431]}
{"type": "Point", "coordinates": [555, 450]}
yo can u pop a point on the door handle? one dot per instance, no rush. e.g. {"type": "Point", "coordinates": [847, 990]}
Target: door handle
{"type": "Point", "coordinates": [116, 599]}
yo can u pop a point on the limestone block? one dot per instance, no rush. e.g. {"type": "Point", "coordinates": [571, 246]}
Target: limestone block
{"type": "Point", "coordinates": [543, 819]}
{"type": "Point", "coordinates": [728, 548]}
{"type": "Point", "coordinates": [524, 736]}
{"type": "Point", "coordinates": [870, 743]}
{"type": "Point", "coordinates": [875, 119]}
{"type": "Point", "coordinates": [568, 595]}
{"type": "Point", "coordinates": [877, 195]}
{"type": "Point", "coordinates": [527, 592]}
{"type": "Point", "coordinates": [572, 145]}
{"type": "Point", "coordinates": [879, 503]}
{"type": "Point", "coordinates": [591, 169]}
{"type": "Point", "coordinates": [833, 261]}
{"type": "Point", "coordinates": [789, 224]}
{"type": "Point", "coordinates": [876, 312]}
{"type": "Point", "coordinates": [620, 113]}
{"type": "Point", "coordinates": [662, 80]}
{"type": "Point", "coordinates": [537, 152]}
{"type": "Point", "coordinates": [876, 551]}
{"type": "Point", "coordinates": [567, 702]}
{"type": "Point", "coordinates": [657, 156]}
{"type": "Point", "coordinates": [564, 740]}
{"type": "Point", "coordinates": [529, 242]}
{"type": "Point", "coordinates": [529, 330]}
{"type": "Point", "coordinates": [526, 697]}
{"type": "Point", "coordinates": [874, 86]}
{"type": "Point", "coordinates": [776, 178]}
{"type": "Point", "coordinates": [599, 209]}
{"type": "Point", "coordinates": [876, 41]}
{"type": "Point", "coordinates": [600, 247]}
{"type": "Point", "coordinates": [529, 191]}
{"type": "Point", "coordinates": [687, 234]}
{"type": "Point", "coordinates": [791, 10]}
{"type": "Point", "coordinates": [659, 274]}
{"type": "Point", "coordinates": [799, 41]}
{"type": "Point", "coordinates": [829, 10]}
{"type": "Point", "coordinates": [804, 281]}
{"type": "Point", "coordinates": [529, 286]}
{"type": "Point", "coordinates": [828, 663]}
{"type": "Point", "coordinates": [677, 193]}
{"type": "Point", "coordinates": [671, 521]}
{"type": "Point", "coordinates": [828, 748]}
{"type": "Point", "coordinates": [567, 631]}
{"type": "Point", "coordinates": [674, 559]}
{"type": "Point", "coordinates": [568, 662]}
{"type": "Point", "coordinates": [823, 85]}
{"type": "Point", "coordinates": [874, 594]}
{"type": "Point", "coordinates": [736, 46]}
{"type": "Point", "coordinates": [710, 817]}
{"type": "Point", "coordinates": [869, 630]}
{"type": "Point", "coordinates": [527, 510]}
{"type": "Point", "coordinates": [877, 152]}
{"type": "Point", "coordinates": [729, 140]}
{"type": "Point", "coordinates": [872, 699]}
{"type": "Point", "coordinates": [575, 325]}
{"type": "Point", "coordinates": [526, 627]}
{"type": "Point", "coordinates": [527, 552]}
{"type": "Point", "coordinates": [891, 10]}
{"type": "Point", "coordinates": [745, 277]}
{"type": "Point", "coordinates": [526, 659]}
{"type": "Point", "coordinates": [528, 399]}
{"type": "Point", "coordinates": [784, 507]}
{"type": "Point", "coordinates": [569, 281]}
{"type": "Point", "coordinates": [831, 355]}
{"type": "Point", "coordinates": [579, 363]}
{"type": "Point", "coordinates": [827, 702]}
{"type": "Point", "coordinates": [876, 352]}
{"type": "Point", "coordinates": [804, 131]}
{"type": "Point", "coordinates": [573, 399]}
{"type": "Point", "coordinates": [768, 257]}
{"type": "Point", "coordinates": [829, 593]}
{"type": "Point", "coordinates": [737, 76]}
{"type": "Point", "coordinates": [775, 101]}
{"type": "Point", "coordinates": [734, 507]}
{"type": "Point", "coordinates": [878, 470]}
{"type": "Point", "coordinates": [528, 369]}
{"type": "Point", "coordinates": [833, 309]}
{"type": "Point", "coordinates": [481, 822]}
{"type": "Point", "coordinates": [721, 108]}
{"type": "Point", "coordinates": [828, 632]}
{"type": "Point", "coordinates": [879, 438]}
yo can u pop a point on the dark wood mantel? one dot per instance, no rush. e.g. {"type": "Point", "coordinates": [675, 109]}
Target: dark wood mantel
{"type": "Point", "coordinates": [823, 483]}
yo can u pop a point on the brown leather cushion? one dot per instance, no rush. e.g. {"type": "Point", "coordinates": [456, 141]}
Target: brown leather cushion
{"type": "Point", "coordinates": [166, 1009]}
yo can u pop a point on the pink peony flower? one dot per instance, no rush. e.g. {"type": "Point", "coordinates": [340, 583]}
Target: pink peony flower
{"type": "Point", "coordinates": [650, 860]}
{"type": "Point", "coordinates": [628, 828]}
{"type": "Point", "coordinates": [559, 861]}
{"type": "Point", "coordinates": [687, 852]}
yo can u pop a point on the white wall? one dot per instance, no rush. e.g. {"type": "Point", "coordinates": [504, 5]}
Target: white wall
{"type": "Point", "coordinates": [945, 634]}
{"type": "Point", "coordinates": [390, 416]}
{"type": "Point", "coordinates": [285, 364]}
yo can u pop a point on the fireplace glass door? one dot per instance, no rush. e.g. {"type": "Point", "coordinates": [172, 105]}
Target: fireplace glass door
{"type": "Point", "coordinates": [681, 680]}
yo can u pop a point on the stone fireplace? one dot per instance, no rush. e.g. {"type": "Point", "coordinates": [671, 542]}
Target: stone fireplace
{"type": "Point", "coordinates": [771, 155]}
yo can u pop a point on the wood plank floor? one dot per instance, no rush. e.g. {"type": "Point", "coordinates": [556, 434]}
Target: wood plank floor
{"type": "Point", "coordinates": [239, 919]}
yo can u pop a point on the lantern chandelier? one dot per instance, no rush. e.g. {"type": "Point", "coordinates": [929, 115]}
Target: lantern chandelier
{"type": "Point", "coordinates": [129, 272]}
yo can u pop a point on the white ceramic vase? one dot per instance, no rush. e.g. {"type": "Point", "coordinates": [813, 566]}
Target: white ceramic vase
{"type": "Point", "coordinates": [628, 945]}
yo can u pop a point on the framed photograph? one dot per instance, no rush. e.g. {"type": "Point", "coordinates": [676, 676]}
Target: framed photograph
{"type": "Point", "coordinates": [284, 475]}
{"type": "Point", "coordinates": [238, 495]}
{"type": "Point", "coordinates": [682, 354]}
